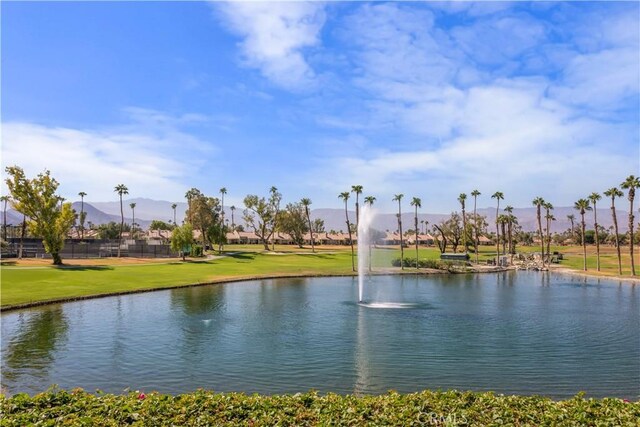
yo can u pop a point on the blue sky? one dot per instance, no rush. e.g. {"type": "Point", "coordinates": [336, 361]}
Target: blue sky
{"type": "Point", "coordinates": [426, 99]}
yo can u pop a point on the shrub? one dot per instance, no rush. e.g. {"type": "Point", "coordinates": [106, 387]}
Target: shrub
{"type": "Point", "coordinates": [196, 251]}
{"type": "Point", "coordinates": [59, 407]}
{"type": "Point", "coordinates": [424, 263]}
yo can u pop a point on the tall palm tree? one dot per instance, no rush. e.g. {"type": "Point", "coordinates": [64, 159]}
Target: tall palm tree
{"type": "Point", "coordinates": [503, 220]}
{"type": "Point", "coordinates": [174, 206]}
{"type": "Point", "coordinates": [538, 202]}
{"type": "Point", "coordinates": [4, 199]}
{"type": "Point", "coordinates": [630, 184]}
{"type": "Point", "coordinates": [417, 203]}
{"type": "Point", "coordinates": [422, 226]}
{"type": "Point", "coordinates": [121, 189]}
{"type": "Point", "coordinates": [510, 222]}
{"type": "Point", "coordinates": [277, 197]}
{"type": "Point", "coordinates": [223, 191]}
{"type": "Point", "coordinates": [233, 222]}
{"type": "Point", "coordinates": [345, 197]}
{"type": "Point", "coordinates": [369, 200]}
{"type": "Point", "coordinates": [594, 197]}
{"type": "Point", "coordinates": [548, 208]}
{"type": "Point", "coordinates": [82, 194]}
{"type": "Point", "coordinates": [462, 198]}
{"type": "Point", "coordinates": [498, 196]}
{"type": "Point", "coordinates": [358, 190]}
{"type": "Point", "coordinates": [613, 192]}
{"type": "Point", "coordinates": [133, 219]}
{"type": "Point", "coordinates": [582, 206]}
{"type": "Point", "coordinates": [306, 203]}
{"type": "Point", "coordinates": [571, 218]}
{"type": "Point", "coordinates": [475, 194]}
{"type": "Point", "coordinates": [398, 198]}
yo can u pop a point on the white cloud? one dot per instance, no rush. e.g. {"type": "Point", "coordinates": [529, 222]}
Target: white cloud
{"type": "Point", "coordinates": [468, 129]}
{"type": "Point", "coordinates": [603, 80]}
{"type": "Point", "coordinates": [275, 35]}
{"type": "Point", "coordinates": [152, 156]}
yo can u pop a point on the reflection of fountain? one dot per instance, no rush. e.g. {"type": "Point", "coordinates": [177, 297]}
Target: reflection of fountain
{"type": "Point", "coordinates": [362, 365]}
{"type": "Point", "coordinates": [364, 240]}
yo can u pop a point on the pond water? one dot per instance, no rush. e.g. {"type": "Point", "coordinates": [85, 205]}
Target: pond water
{"type": "Point", "coordinates": [524, 332]}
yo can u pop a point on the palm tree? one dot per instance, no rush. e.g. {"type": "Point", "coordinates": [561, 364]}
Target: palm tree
{"type": "Point", "coordinates": [121, 189]}
{"type": "Point", "coordinates": [233, 223]}
{"type": "Point", "coordinates": [174, 206]}
{"type": "Point", "coordinates": [630, 184]}
{"type": "Point", "coordinates": [369, 200]}
{"type": "Point", "coordinates": [398, 198]}
{"type": "Point", "coordinates": [276, 197]}
{"type": "Point", "coordinates": [306, 202]}
{"type": "Point", "coordinates": [538, 202]}
{"type": "Point", "coordinates": [223, 191]}
{"type": "Point", "coordinates": [594, 197]}
{"type": "Point", "coordinates": [548, 208]}
{"type": "Point", "coordinates": [550, 218]}
{"type": "Point", "coordinates": [582, 206]}
{"type": "Point", "coordinates": [613, 192]}
{"type": "Point", "coordinates": [82, 194]}
{"type": "Point", "coordinates": [133, 220]}
{"type": "Point", "coordinates": [4, 199]}
{"type": "Point", "coordinates": [498, 196]}
{"type": "Point", "coordinates": [418, 204]}
{"type": "Point", "coordinates": [511, 219]}
{"type": "Point", "coordinates": [345, 196]}
{"type": "Point", "coordinates": [475, 194]}
{"type": "Point", "coordinates": [422, 226]}
{"type": "Point", "coordinates": [358, 190]}
{"type": "Point", "coordinates": [503, 220]}
{"type": "Point", "coordinates": [571, 218]}
{"type": "Point", "coordinates": [462, 198]}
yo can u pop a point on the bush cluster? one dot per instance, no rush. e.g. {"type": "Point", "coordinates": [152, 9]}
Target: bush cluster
{"type": "Point", "coordinates": [423, 263]}
{"type": "Point", "coordinates": [196, 251]}
{"type": "Point", "coordinates": [59, 407]}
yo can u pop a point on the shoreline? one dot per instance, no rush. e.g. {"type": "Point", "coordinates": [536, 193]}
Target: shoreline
{"type": "Point", "coordinates": [382, 272]}
{"type": "Point", "coordinates": [580, 273]}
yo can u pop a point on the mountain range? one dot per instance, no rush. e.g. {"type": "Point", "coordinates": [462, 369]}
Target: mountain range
{"type": "Point", "coordinates": [147, 210]}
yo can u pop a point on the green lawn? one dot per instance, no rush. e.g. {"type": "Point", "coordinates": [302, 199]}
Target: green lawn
{"type": "Point", "coordinates": [25, 284]}
{"type": "Point", "coordinates": [28, 284]}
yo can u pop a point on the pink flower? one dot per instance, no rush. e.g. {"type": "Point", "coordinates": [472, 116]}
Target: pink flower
{"type": "Point", "coordinates": [626, 400]}
{"type": "Point", "coordinates": [142, 396]}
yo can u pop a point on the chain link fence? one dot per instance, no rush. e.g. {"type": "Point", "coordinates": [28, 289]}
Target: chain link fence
{"type": "Point", "coordinates": [33, 248]}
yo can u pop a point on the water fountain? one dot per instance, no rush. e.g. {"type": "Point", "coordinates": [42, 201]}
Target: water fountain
{"type": "Point", "coordinates": [364, 245]}
{"type": "Point", "coordinates": [367, 214]}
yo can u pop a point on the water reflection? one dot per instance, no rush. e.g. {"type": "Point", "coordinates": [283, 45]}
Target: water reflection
{"type": "Point", "coordinates": [528, 332]}
{"type": "Point", "coordinates": [32, 350]}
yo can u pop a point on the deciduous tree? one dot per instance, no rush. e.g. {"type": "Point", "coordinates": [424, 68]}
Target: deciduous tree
{"type": "Point", "coordinates": [37, 199]}
{"type": "Point", "coordinates": [181, 239]}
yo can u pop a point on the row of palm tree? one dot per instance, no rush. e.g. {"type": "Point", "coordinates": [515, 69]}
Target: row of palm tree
{"type": "Point", "coordinates": [582, 206]}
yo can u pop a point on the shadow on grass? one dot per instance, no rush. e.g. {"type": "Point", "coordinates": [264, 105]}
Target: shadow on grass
{"type": "Point", "coordinates": [243, 256]}
{"type": "Point", "coordinates": [8, 263]}
{"type": "Point", "coordinates": [84, 267]}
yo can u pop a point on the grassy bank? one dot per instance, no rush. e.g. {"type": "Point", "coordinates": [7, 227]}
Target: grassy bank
{"type": "Point", "coordinates": [205, 408]}
{"type": "Point", "coordinates": [24, 284]}
{"type": "Point", "coordinates": [29, 281]}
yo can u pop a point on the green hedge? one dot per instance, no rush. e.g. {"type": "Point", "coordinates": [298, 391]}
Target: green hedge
{"type": "Point", "coordinates": [59, 407]}
{"type": "Point", "coordinates": [423, 263]}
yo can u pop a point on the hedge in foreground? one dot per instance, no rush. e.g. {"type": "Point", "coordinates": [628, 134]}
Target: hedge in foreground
{"type": "Point", "coordinates": [207, 408]}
